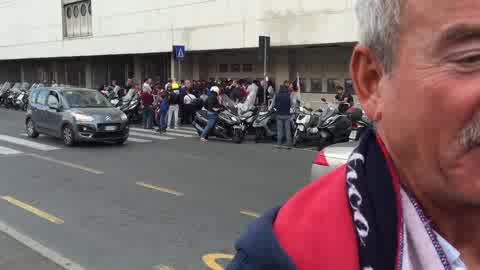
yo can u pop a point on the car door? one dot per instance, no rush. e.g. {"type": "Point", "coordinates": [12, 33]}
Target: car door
{"type": "Point", "coordinates": [39, 107]}
{"type": "Point", "coordinates": [53, 114]}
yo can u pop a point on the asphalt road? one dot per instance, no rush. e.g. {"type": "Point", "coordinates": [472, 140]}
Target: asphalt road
{"type": "Point", "coordinates": [150, 204]}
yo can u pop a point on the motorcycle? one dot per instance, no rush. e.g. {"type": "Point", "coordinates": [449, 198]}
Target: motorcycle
{"type": "Point", "coordinates": [132, 109]}
{"type": "Point", "coordinates": [4, 92]}
{"type": "Point", "coordinates": [10, 96]}
{"type": "Point", "coordinates": [21, 98]}
{"type": "Point", "coordinates": [265, 125]}
{"type": "Point", "coordinates": [309, 121]}
{"type": "Point", "coordinates": [229, 125]}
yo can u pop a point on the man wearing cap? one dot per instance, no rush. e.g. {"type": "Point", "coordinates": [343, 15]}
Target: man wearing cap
{"type": "Point", "coordinates": [174, 101]}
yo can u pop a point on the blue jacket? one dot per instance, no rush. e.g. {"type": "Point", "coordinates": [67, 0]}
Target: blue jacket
{"type": "Point", "coordinates": [259, 249]}
{"type": "Point", "coordinates": [164, 106]}
{"type": "Point", "coordinates": [283, 103]}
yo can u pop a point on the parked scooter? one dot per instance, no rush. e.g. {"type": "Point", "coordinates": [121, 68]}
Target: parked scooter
{"type": "Point", "coordinates": [229, 125]}
{"type": "Point", "coordinates": [11, 95]}
{"type": "Point", "coordinates": [132, 109]}
{"type": "Point", "coordinates": [265, 125]}
{"type": "Point", "coordinates": [309, 121]}
{"type": "Point", "coordinates": [4, 92]}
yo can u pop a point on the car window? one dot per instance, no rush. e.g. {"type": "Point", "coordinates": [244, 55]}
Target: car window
{"type": "Point", "coordinates": [34, 97]}
{"type": "Point", "coordinates": [42, 97]}
{"type": "Point", "coordinates": [85, 99]}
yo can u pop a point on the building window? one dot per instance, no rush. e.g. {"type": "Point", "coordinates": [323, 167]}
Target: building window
{"type": "Point", "coordinates": [349, 87]}
{"type": "Point", "coordinates": [331, 83]}
{"type": "Point", "coordinates": [247, 68]}
{"type": "Point", "coordinates": [223, 68]}
{"type": "Point", "coordinates": [75, 11]}
{"type": "Point", "coordinates": [84, 10]}
{"type": "Point", "coordinates": [69, 12]}
{"type": "Point", "coordinates": [235, 68]}
{"type": "Point", "coordinates": [78, 19]}
{"type": "Point", "coordinates": [317, 85]}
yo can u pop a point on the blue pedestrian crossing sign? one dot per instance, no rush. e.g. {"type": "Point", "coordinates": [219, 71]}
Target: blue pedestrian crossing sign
{"type": "Point", "coordinates": [179, 52]}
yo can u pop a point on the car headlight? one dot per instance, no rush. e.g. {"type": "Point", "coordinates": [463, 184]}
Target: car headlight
{"type": "Point", "coordinates": [83, 117]}
{"type": "Point", "coordinates": [124, 117]}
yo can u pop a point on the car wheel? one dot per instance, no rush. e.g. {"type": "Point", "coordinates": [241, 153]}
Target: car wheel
{"type": "Point", "coordinates": [68, 136]}
{"type": "Point", "coordinates": [31, 131]}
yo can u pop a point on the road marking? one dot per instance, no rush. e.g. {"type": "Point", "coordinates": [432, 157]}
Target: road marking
{"type": "Point", "coordinates": [163, 267]}
{"type": "Point", "coordinates": [169, 132]}
{"type": "Point", "coordinates": [39, 248]}
{"type": "Point", "coordinates": [173, 133]}
{"type": "Point", "coordinates": [130, 139]}
{"type": "Point", "coordinates": [164, 190]}
{"type": "Point", "coordinates": [67, 164]}
{"type": "Point", "coordinates": [27, 143]}
{"type": "Point", "coordinates": [210, 260]}
{"type": "Point", "coordinates": [185, 131]}
{"type": "Point", "coordinates": [8, 151]}
{"type": "Point", "coordinates": [250, 213]}
{"type": "Point", "coordinates": [33, 210]}
{"type": "Point", "coordinates": [188, 128]}
{"type": "Point", "coordinates": [156, 137]}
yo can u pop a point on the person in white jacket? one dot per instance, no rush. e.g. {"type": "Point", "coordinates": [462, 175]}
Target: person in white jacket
{"type": "Point", "coordinates": [251, 99]}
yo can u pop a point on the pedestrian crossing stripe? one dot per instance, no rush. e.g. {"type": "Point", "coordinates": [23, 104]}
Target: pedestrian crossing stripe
{"type": "Point", "coordinates": [130, 139]}
{"type": "Point", "coordinates": [27, 143]}
{"type": "Point", "coordinates": [169, 133]}
{"type": "Point", "coordinates": [9, 151]}
{"type": "Point", "coordinates": [151, 136]}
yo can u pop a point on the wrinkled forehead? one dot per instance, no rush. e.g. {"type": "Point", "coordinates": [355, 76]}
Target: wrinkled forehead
{"type": "Point", "coordinates": [438, 15]}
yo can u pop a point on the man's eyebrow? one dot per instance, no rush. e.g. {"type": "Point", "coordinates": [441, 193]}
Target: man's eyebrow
{"type": "Point", "coordinates": [459, 33]}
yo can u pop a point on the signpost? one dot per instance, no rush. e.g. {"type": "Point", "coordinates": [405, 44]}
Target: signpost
{"type": "Point", "coordinates": [264, 54]}
{"type": "Point", "coordinates": [179, 52]}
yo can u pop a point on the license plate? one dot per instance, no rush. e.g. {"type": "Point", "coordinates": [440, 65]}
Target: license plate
{"type": "Point", "coordinates": [353, 135]}
{"type": "Point", "coordinates": [111, 128]}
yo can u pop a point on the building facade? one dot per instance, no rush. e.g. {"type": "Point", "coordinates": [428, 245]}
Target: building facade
{"type": "Point", "coordinates": [90, 42]}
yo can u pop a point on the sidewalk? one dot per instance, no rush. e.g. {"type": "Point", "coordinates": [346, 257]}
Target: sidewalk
{"type": "Point", "coordinates": [16, 256]}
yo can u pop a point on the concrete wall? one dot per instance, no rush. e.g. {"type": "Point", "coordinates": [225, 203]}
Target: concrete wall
{"type": "Point", "coordinates": [34, 29]}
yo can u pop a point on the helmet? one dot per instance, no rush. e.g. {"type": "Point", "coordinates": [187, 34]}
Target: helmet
{"type": "Point", "coordinates": [175, 86]}
{"type": "Point", "coordinates": [215, 89]}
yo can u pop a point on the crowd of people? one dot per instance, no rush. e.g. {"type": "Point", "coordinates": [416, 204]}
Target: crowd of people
{"type": "Point", "coordinates": [170, 104]}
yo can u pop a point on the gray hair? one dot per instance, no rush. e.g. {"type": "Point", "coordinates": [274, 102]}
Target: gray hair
{"type": "Point", "coordinates": [379, 22]}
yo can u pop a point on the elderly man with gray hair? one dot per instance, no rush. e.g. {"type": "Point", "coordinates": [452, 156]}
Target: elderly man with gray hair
{"type": "Point", "coordinates": [409, 196]}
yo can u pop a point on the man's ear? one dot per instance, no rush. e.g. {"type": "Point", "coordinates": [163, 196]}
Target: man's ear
{"type": "Point", "coordinates": [367, 73]}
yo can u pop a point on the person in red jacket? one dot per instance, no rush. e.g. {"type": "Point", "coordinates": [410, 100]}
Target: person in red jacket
{"type": "Point", "coordinates": [147, 104]}
{"type": "Point", "coordinates": [409, 196]}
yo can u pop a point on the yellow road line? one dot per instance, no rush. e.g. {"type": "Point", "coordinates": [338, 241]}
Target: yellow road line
{"type": "Point", "coordinates": [67, 164]}
{"type": "Point", "coordinates": [210, 260]}
{"type": "Point", "coordinates": [33, 210]}
{"type": "Point", "coordinates": [250, 213]}
{"type": "Point", "coordinates": [164, 190]}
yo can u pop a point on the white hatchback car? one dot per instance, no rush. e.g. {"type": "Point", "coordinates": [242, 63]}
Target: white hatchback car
{"type": "Point", "coordinates": [331, 158]}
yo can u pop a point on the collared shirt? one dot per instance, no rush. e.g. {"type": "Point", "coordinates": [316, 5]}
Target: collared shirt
{"type": "Point", "coordinates": [453, 255]}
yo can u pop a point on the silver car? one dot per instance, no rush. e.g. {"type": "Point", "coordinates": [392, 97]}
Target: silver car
{"type": "Point", "coordinates": [75, 115]}
{"type": "Point", "coordinates": [331, 158]}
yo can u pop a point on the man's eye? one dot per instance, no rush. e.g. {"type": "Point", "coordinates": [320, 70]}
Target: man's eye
{"type": "Point", "coordinates": [474, 59]}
